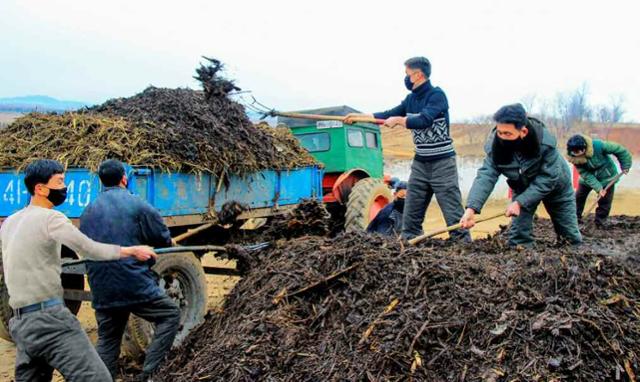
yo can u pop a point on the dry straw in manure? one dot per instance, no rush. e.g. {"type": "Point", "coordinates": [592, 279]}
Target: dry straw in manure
{"type": "Point", "coordinates": [170, 129]}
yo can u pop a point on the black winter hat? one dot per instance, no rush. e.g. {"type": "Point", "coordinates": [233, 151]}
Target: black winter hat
{"type": "Point", "coordinates": [576, 143]}
{"type": "Point", "coordinates": [514, 113]}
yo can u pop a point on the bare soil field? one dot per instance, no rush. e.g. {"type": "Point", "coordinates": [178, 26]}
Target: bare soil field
{"type": "Point", "coordinates": [469, 139]}
{"type": "Point", "coordinates": [7, 118]}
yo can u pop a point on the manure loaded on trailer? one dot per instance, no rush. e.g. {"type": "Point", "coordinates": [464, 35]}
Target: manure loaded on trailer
{"type": "Point", "coordinates": [196, 157]}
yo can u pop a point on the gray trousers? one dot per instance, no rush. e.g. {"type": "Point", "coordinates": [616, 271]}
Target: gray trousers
{"type": "Point", "coordinates": [439, 177]}
{"type": "Point", "coordinates": [162, 312]}
{"type": "Point", "coordinates": [561, 206]}
{"type": "Point", "coordinates": [53, 339]}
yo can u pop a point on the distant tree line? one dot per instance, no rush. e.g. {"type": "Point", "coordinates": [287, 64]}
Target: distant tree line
{"type": "Point", "coordinates": [569, 111]}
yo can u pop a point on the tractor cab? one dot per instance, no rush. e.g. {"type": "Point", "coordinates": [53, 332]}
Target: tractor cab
{"type": "Point", "coordinates": [353, 162]}
{"type": "Point", "coordinates": [340, 147]}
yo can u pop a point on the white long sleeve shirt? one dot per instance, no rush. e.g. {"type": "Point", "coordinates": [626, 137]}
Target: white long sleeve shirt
{"type": "Point", "coordinates": [31, 244]}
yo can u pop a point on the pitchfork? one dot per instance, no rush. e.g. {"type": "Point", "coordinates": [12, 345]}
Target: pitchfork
{"type": "Point", "coordinates": [258, 107]}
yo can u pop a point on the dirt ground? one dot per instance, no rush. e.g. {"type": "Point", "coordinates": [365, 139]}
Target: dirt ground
{"type": "Point", "coordinates": [218, 287]}
{"type": "Point", "coordinates": [470, 138]}
{"type": "Point", "coordinates": [626, 203]}
{"type": "Point", "coordinates": [7, 117]}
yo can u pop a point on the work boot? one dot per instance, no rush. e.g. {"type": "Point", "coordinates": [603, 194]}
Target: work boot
{"type": "Point", "coordinates": [602, 224]}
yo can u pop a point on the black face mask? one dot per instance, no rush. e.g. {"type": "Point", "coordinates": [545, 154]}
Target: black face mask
{"type": "Point", "coordinates": [408, 83]}
{"type": "Point", "coordinates": [513, 145]}
{"type": "Point", "coordinates": [57, 196]}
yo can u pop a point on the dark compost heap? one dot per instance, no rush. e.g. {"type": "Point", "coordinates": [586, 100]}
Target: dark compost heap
{"type": "Point", "coordinates": [362, 308]}
{"type": "Point", "coordinates": [170, 129]}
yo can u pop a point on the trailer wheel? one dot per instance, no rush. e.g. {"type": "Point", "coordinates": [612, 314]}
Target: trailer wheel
{"type": "Point", "coordinates": [184, 280]}
{"type": "Point", "coordinates": [68, 281]}
{"type": "Point", "coordinates": [366, 199]}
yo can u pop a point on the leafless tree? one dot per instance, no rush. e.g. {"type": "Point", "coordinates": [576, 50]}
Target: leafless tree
{"type": "Point", "coordinates": [611, 113]}
{"type": "Point", "coordinates": [478, 120]}
{"type": "Point", "coordinates": [616, 106]}
{"type": "Point", "coordinates": [529, 102]}
{"type": "Point", "coordinates": [579, 108]}
{"type": "Point", "coordinates": [561, 112]}
{"type": "Point", "coordinates": [573, 108]}
{"type": "Point", "coordinates": [603, 113]}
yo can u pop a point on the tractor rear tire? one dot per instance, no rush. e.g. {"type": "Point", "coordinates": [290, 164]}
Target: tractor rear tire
{"type": "Point", "coordinates": [366, 199]}
{"type": "Point", "coordinates": [68, 281]}
{"type": "Point", "coordinates": [184, 280]}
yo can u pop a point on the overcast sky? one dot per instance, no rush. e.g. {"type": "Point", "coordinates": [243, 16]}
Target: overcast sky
{"type": "Point", "coordinates": [305, 54]}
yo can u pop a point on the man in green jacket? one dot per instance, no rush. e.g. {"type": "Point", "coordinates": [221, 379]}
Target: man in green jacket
{"type": "Point", "coordinates": [592, 158]}
{"type": "Point", "coordinates": [523, 150]}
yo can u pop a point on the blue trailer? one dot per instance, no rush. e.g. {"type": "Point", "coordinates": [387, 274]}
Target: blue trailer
{"type": "Point", "coordinates": [182, 199]}
{"type": "Point", "coordinates": [185, 201]}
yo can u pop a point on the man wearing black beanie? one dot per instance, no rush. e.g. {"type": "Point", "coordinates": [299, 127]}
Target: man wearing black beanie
{"type": "Point", "coordinates": [524, 151]}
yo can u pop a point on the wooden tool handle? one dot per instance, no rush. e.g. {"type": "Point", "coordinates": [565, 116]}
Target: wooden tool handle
{"type": "Point", "coordinates": [454, 227]}
{"type": "Point", "coordinates": [593, 205]}
{"type": "Point", "coordinates": [319, 117]}
{"type": "Point", "coordinates": [192, 232]}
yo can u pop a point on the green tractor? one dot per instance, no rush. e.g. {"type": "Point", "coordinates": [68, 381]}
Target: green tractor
{"type": "Point", "coordinates": [353, 185]}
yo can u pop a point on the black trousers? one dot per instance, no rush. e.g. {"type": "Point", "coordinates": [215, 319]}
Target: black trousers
{"type": "Point", "coordinates": [604, 204]}
{"type": "Point", "coordinates": [162, 312]}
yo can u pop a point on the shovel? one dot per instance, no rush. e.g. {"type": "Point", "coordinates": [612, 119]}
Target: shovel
{"type": "Point", "coordinates": [454, 227]}
{"type": "Point", "coordinates": [319, 117]}
{"type": "Point", "coordinates": [78, 266]}
{"type": "Point", "coordinates": [257, 107]}
{"type": "Point", "coordinates": [595, 203]}
{"type": "Point", "coordinates": [209, 248]}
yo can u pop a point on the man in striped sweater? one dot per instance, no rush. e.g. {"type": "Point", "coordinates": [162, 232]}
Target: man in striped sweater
{"type": "Point", "coordinates": [425, 111]}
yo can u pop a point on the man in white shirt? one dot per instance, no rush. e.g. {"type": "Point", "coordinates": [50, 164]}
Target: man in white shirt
{"type": "Point", "coordinates": [47, 335]}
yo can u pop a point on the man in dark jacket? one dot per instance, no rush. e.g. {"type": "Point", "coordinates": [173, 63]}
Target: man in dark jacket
{"type": "Point", "coordinates": [388, 221]}
{"type": "Point", "coordinates": [523, 150]}
{"type": "Point", "coordinates": [592, 158]}
{"type": "Point", "coordinates": [127, 286]}
{"type": "Point", "coordinates": [425, 111]}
